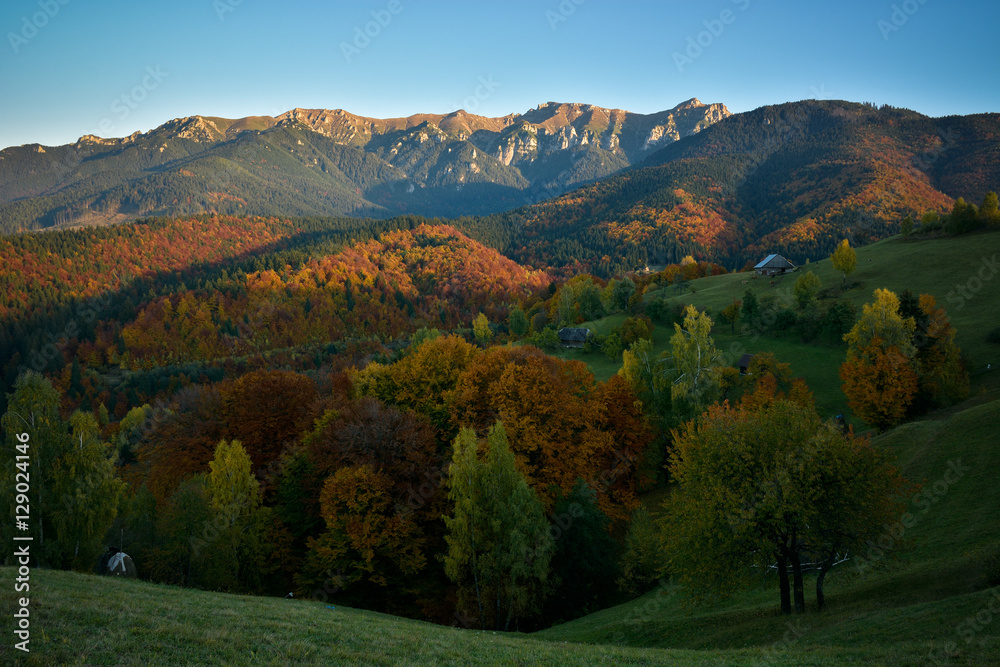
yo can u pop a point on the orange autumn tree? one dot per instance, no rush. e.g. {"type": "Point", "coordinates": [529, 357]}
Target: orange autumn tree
{"type": "Point", "coordinates": [367, 541]}
{"type": "Point", "coordinates": [562, 426]}
{"type": "Point", "coordinates": [423, 380]}
{"type": "Point", "coordinates": [267, 411]}
{"type": "Point", "coordinates": [943, 377]}
{"type": "Point", "coordinates": [378, 478]}
{"type": "Point", "coordinates": [879, 375]}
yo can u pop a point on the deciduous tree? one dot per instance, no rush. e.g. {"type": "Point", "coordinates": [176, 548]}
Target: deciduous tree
{"type": "Point", "coordinates": [879, 377]}
{"type": "Point", "coordinates": [696, 361]}
{"type": "Point", "coordinates": [805, 289]}
{"type": "Point", "coordinates": [764, 486]}
{"type": "Point", "coordinates": [233, 488]}
{"type": "Point", "coordinates": [844, 259]}
{"type": "Point", "coordinates": [498, 537]}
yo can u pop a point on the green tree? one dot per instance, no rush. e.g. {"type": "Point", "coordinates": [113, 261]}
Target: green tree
{"type": "Point", "coordinates": [622, 292]}
{"type": "Point", "coordinates": [518, 321]}
{"type": "Point", "coordinates": [233, 488]}
{"type": "Point", "coordinates": [481, 329]}
{"type": "Point", "coordinates": [642, 558]}
{"type": "Point", "coordinates": [33, 410]}
{"type": "Point", "coordinates": [588, 300]}
{"type": "Point", "coordinates": [89, 493]}
{"type": "Point", "coordinates": [766, 485]}
{"type": "Point", "coordinates": [186, 532]}
{"type": "Point", "coordinates": [130, 431]}
{"type": "Point", "coordinates": [423, 334]}
{"type": "Point", "coordinates": [612, 345]}
{"type": "Point", "coordinates": [645, 374]}
{"type": "Point", "coordinates": [75, 379]}
{"type": "Point", "coordinates": [844, 259]}
{"type": "Point", "coordinates": [499, 546]}
{"type": "Point", "coordinates": [696, 361]}
{"type": "Point", "coordinates": [751, 309]}
{"type": "Point", "coordinates": [906, 227]}
{"type": "Point", "coordinates": [881, 323]}
{"type": "Point", "coordinates": [567, 309]}
{"type": "Point", "coordinates": [806, 288]}
{"type": "Point", "coordinates": [963, 217]}
{"type": "Point", "coordinates": [988, 212]}
{"type": "Point", "coordinates": [731, 313]}
{"type": "Point", "coordinates": [635, 328]}
{"type": "Point", "coordinates": [584, 566]}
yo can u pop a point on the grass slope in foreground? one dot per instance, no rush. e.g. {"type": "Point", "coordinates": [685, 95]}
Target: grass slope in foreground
{"type": "Point", "coordinates": [91, 620]}
{"type": "Point", "coordinates": [898, 613]}
{"type": "Point", "coordinates": [906, 607]}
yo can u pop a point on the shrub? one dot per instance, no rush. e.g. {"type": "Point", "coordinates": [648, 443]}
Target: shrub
{"type": "Point", "coordinates": [986, 565]}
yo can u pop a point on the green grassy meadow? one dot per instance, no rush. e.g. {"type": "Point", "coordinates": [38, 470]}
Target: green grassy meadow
{"type": "Point", "coordinates": [911, 607]}
{"type": "Point", "coordinates": [904, 605]}
{"type": "Point", "coordinates": [938, 266]}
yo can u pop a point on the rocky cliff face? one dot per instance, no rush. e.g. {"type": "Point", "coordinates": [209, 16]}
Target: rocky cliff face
{"type": "Point", "coordinates": [520, 138]}
{"type": "Point", "coordinates": [331, 161]}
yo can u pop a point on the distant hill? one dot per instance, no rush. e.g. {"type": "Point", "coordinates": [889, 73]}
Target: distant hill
{"type": "Point", "coordinates": [309, 162]}
{"type": "Point", "coordinates": [793, 178]}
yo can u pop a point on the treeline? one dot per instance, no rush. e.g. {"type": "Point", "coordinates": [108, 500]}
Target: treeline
{"type": "Point", "coordinates": [262, 484]}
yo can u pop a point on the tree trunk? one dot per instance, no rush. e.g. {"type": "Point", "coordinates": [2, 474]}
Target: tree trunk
{"type": "Point", "coordinates": [800, 597]}
{"type": "Point", "coordinates": [475, 578]}
{"type": "Point", "coordinates": [786, 601]}
{"type": "Point", "coordinates": [823, 569]}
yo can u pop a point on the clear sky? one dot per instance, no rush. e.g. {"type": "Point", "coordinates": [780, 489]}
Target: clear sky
{"type": "Point", "coordinates": [110, 67]}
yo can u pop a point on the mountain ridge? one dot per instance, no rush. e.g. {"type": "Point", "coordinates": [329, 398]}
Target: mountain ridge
{"type": "Point", "coordinates": [366, 166]}
{"type": "Point", "coordinates": [793, 178]}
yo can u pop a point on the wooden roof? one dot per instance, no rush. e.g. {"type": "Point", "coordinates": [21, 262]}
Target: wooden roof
{"type": "Point", "coordinates": [574, 334]}
{"type": "Point", "coordinates": [774, 262]}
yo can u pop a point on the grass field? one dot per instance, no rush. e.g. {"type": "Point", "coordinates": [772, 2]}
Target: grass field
{"type": "Point", "coordinates": [903, 607]}
{"type": "Point", "coordinates": [908, 607]}
{"type": "Point", "coordinates": [942, 267]}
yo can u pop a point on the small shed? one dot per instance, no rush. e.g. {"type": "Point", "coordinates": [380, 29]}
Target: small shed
{"type": "Point", "coordinates": [744, 363]}
{"type": "Point", "coordinates": [574, 337]}
{"type": "Point", "coordinates": [116, 563]}
{"type": "Point", "coordinates": [773, 265]}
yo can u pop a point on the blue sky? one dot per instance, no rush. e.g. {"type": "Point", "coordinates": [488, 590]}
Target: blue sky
{"type": "Point", "coordinates": [72, 67]}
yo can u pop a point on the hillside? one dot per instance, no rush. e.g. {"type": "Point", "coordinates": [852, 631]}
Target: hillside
{"type": "Point", "coordinates": [936, 266]}
{"type": "Point", "coordinates": [903, 610]}
{"type": "Point", "coordinates": [793, 178]}
{"type": "Point", "coordinates": [907, 610]}
{"type": "Point", "coordinates": [330, 162]}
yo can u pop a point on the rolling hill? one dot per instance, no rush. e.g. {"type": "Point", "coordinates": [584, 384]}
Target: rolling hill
{"type": "Point", "coordinates": [941, 267]}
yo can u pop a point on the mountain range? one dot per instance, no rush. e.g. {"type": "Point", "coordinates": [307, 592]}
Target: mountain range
{"type": "Point", "coordinates": [793, 178]}
{"type": "Point", "coordinates": [562, 185]}
{"type": "Point", "coordinates": [319, 162]}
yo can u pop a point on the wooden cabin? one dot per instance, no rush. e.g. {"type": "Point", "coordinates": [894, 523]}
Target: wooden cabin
{"type": "Point", "coordinates": [774, 265]}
